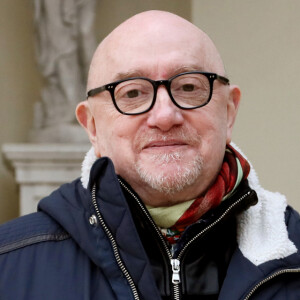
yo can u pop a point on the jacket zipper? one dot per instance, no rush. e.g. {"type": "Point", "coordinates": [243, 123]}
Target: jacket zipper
{"type": "Point", "coordinates": [114, 246]}
{"type": "Point", "coordinates": [267, 279]}
{"type": "Point", "coordinates": [175, 262]}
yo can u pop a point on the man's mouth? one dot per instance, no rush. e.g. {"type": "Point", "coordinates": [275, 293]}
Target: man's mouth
{"type": "Point", "coordinates": [164, 144]}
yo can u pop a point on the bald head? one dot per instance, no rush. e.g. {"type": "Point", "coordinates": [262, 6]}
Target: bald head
{"type": "Point", "coordinates": [147, 35]}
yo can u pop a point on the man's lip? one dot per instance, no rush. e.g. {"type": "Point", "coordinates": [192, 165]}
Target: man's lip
{"type": "Point", "coordinates": [169, 143]}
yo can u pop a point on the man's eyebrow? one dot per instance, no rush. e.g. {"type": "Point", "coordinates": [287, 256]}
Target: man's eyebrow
{"type": "Point", "coordinates": [190, 68]}
{"type": "Point", "coordinates": [125, 75]}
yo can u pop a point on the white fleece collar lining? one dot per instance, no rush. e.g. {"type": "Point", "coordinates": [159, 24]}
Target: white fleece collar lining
{"type": "Point", "coordinates": [86, 166]}
{"type": "Point", "coordinates": [261, 231]}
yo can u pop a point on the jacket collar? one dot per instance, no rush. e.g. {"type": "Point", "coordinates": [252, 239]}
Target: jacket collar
{"type": "Point", "coordinates": [261, 231]}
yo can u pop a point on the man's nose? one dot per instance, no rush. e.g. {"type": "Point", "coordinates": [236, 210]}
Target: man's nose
{"type": "Point", "coordinates": [165, 114]}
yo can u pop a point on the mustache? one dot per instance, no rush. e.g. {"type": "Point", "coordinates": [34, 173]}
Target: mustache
{"type": "Point", "coordinates": [181, 134]}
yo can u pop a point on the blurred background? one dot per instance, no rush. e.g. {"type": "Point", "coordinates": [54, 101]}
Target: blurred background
{"type": "Point", "coordinates": [259, 41]}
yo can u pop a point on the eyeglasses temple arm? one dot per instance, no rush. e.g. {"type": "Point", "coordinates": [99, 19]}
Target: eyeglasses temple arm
{"type": "Point", "coordinates": [223, 79]}
{"type": "Point", "coordinates": [96, 91]}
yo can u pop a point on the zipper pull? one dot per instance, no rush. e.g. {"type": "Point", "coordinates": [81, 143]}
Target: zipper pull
{"type": "Point", "coordinates": [175, 263]}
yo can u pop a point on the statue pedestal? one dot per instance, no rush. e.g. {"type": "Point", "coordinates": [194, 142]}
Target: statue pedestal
{"type": "Point", "coordinates": [41, 168]}
{"type": "Point", "coordinates": [60, 133]}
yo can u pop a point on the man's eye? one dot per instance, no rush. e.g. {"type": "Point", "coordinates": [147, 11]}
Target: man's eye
{"type": "Point", "coordinates": [188, 87]}
{"type": "Point", "coordinates": [132, 93]}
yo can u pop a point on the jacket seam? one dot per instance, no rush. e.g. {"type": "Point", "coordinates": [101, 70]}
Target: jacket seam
{"type": "Point", "coordinates": [33, 240]}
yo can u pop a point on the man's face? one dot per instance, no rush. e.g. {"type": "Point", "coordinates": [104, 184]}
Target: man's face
{"type": "Point", "coordinates": [168, 155]}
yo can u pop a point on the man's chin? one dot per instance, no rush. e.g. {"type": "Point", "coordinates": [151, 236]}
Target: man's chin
{"type": "Point", "coordinates": [169, 176]}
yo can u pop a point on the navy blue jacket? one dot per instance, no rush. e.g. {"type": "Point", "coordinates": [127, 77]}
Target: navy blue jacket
{"type": "Point", "coordinates": [64, 252]}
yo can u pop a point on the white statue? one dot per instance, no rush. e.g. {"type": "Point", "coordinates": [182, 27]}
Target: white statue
{"type": "Point", "coordinates": [65, 42]}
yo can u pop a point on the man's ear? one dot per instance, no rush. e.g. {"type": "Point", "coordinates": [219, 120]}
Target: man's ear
{"type": "Point", "coordinates": [232, 109]}
{"type": "Point", "coordinates": [86, 120]}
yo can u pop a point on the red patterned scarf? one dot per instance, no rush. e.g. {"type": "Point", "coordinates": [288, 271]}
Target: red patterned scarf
{"type": "Point", "coordinates": [224, 184]}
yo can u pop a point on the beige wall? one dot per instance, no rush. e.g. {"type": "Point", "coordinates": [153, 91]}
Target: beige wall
{"type": "Point", "coordinates": [20, 82]}
{"type": "Point", "coordinates": [19, 89]}
{"type": "Point", "coordinates": [259, 41]}
{"type": "Point", "coordinates": [110, 13]}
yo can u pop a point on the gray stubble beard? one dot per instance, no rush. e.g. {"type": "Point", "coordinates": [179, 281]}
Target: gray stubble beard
{"type": "Point", "coordinates": [170, 184]}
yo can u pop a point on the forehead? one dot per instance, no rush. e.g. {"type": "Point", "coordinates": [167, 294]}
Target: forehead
{"type": "Point", "coordinates": [156, 61]}
{"type": "Point", "coordinates": [156, 50]}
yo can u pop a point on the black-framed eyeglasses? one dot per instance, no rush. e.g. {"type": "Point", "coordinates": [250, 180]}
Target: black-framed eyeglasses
{"type": "Point", "coordinates": [137, 95]}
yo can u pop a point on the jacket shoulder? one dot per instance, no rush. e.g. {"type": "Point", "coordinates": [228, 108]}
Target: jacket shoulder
{"type": "Point", "coordinates": [29, 229]}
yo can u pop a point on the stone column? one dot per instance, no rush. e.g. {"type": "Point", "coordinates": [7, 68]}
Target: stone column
{"type": "Point", "coordinates": [65, 41]}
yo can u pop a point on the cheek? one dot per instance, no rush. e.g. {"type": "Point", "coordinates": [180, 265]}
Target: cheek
{"type": "Point", "coordinates": [115, 134]}
{"type": "Point", "coordinates": [212, 130]}
{"type": "Point", "coordinates": [104, 122]}
{"type": "Point", "coordinates": [212, 122]}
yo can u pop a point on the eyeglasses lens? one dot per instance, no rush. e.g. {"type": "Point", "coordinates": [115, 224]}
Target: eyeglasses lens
{"type": "Point", "coordinates": [190, 90]}
{"type": "Point", "coordinates": [134, 96]}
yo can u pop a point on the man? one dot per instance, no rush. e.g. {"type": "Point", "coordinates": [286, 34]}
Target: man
{"type": "Point", "coordinates": [166, 207]}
